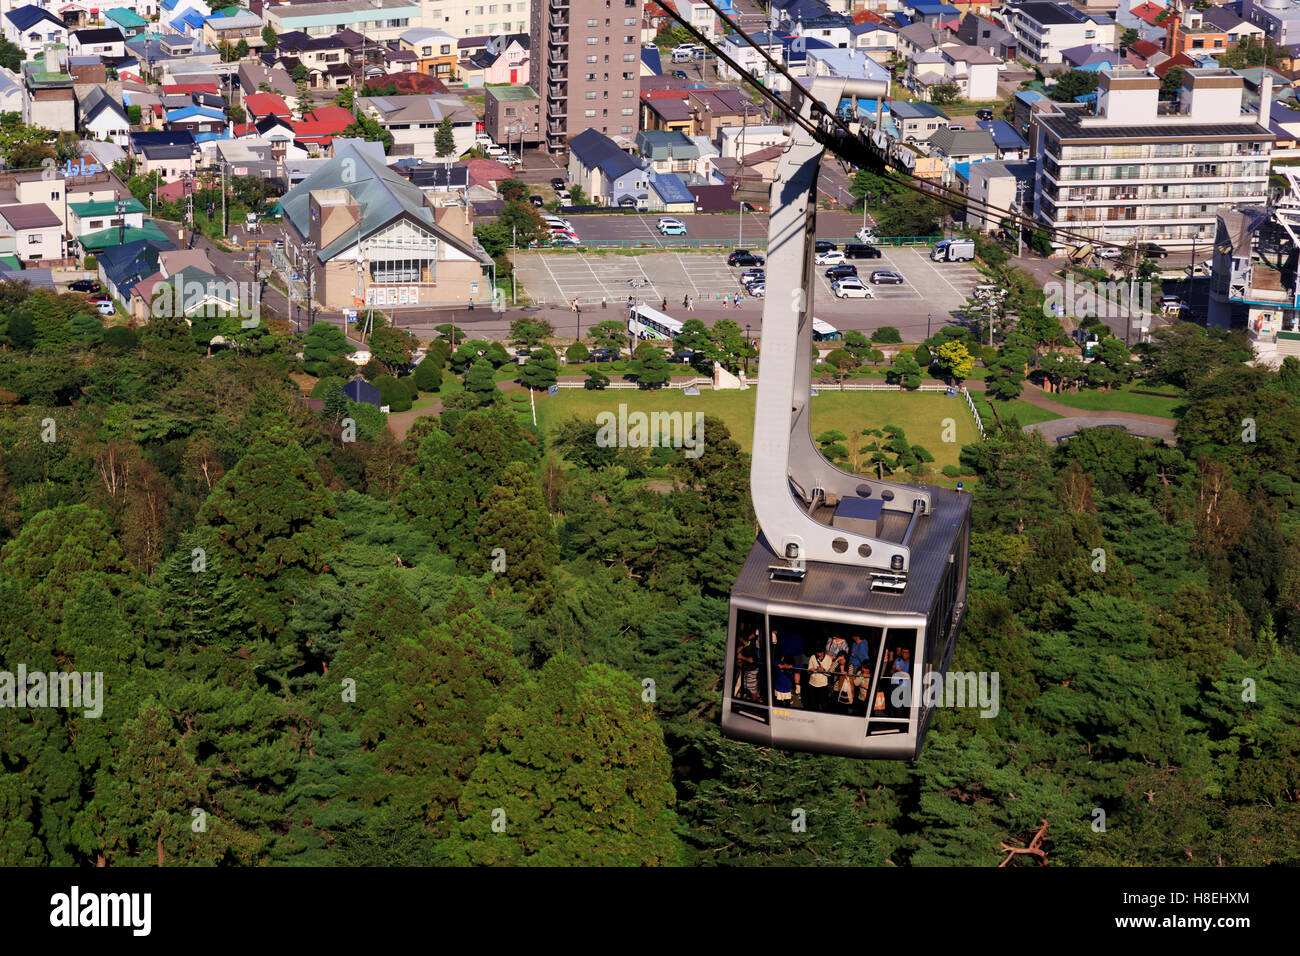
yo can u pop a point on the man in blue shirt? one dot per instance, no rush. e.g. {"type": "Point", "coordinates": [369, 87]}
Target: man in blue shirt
{"type": "Point", "coordinates": [861, 652]}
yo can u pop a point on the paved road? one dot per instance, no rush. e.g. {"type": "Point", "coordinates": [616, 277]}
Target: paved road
{"type": "Point", "coordinates": [1058, 429]}
{"type": "Point", "coordinates": [738, 229]}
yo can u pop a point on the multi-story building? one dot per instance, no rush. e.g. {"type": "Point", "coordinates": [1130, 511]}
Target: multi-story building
{"type": "Point", "coordinates": [1138, 168]}
{"type": "Point", "coordinates": [380, 20]}
{"type": "Point", "coordinates": [1042, 30]}
{"type": "Point", "coordinates": [586, 66]}
{"type": "Point", "coordinates": [1279, 19]}
{"type": "Point", "coordinates": [477, 18]}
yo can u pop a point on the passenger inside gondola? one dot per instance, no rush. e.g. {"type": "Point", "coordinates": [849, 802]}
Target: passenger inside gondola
{"type": "Point", "coordinates": [749, 684]}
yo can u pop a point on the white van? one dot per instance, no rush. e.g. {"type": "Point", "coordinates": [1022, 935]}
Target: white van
{"type": "Point", "coordinates": [683, 54]}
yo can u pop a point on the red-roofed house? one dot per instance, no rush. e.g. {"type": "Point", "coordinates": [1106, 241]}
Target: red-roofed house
{"type": "Point", "coordinates": [259, 105]}
{"type": "Point", "coordinates": [487, 172]}
{"type": "Point", "coordinates": [188, 89]}
{"type": "Point", "coordinates": [1182, 59]}
{"type": "Point", "coordinates": [867, 16]}
{"type": "Point", "coordinates": [320, 126]}
{"type": "Point", "coordinates": [1147, 18]}
{"type": "Point", "coordinates": [408, 84]}
{"type": "Point", "coordinates": [171, 192]}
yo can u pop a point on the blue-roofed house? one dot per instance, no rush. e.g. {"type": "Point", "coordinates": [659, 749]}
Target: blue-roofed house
{"type": "Point", "coordinates": [196, 119]}
{"type": "Point", "coordinates": [1023, 104]}
{"type": "Point", "coordinates": [604, 171]}
{"type": "Point", "coordinates": [667, 193]}
{"type": "Point", "coordinates": [918, 121]}
{"type": "Point", "coordinates": [876, 40]}
{"type": "Point", "coordinates": [651, 62]}
{"type": "Point", "coordinates": [29, 28]}
{"type": "Point", "coordinates": [188, 23]}
{"type": "Point", "coordinates": [120, 267]}
{"type": "Point", "coordinates": [830, 28]}
{"type": "Point", "coordinates": [931, 12]}
{"type": "Point", "coordinates": [359, 390]}
{"type": "Point", "coordinates": [1011, 145]}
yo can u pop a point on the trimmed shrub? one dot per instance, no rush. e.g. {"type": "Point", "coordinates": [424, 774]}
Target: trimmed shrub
{"type": "Point", "coordinates": [951, 471]}
{"type": "Point", "coordinates": [392, 393]}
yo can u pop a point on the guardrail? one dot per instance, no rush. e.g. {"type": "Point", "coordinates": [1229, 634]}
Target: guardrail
{"type": "Point", "coordinates": [970, 403]}
{"type": "Point", "coordinates": [677, 243]}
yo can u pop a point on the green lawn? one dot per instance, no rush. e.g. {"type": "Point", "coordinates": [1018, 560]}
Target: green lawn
{"type": "Point", "coordinates": [1120, 401]}
{"type": "Point", "coordinates": [921, 415]}
{"type": "Point", "coordinates": [1023, 411]}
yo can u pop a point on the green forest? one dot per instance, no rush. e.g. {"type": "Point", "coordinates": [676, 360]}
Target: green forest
{"type": "Point", "coordinates": [472, 647]}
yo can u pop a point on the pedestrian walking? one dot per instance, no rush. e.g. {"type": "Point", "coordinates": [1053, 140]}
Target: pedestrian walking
{"type": "Point", "coordinates": [690, 304]}
{"type": "Point", "coordinates": [664, 307]}
{"type": "Point", "coordinates": [604, 302]}
{"type": "Point", "coordinates": [574, 306]}
{"type": "Point", "coordinates": [685, 300]}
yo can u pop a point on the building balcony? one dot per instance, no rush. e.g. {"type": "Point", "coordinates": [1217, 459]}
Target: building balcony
{"type": "Point", "coordinates": [558, 37]}
{"type": "Point", "coordinates": [554, 129]}
{"type": "Point", "coordinates": [554, 92]}
{"type": "Point", "coordinates": [560, 20]}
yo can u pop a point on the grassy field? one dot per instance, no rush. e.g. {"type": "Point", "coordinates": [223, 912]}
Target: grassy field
{"type": "Point", "coordinates": [1120, 401]}
{"type": "Point", "coordinates": [1024, 412]}
{"type": "Point", "coordinates": [921, 415]}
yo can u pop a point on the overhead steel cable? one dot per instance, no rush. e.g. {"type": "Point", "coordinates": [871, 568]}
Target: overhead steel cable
{"type": "Point", "coordinates": [955, 200]}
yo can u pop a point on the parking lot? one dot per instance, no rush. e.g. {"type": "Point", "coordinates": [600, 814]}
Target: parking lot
{"type": "Point", "coordinates": [929, 292]}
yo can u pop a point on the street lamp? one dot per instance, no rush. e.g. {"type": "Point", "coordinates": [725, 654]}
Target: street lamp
{"type": "Point", "coordinates": [927, 324]}
{"type": "Point", "coordinates": [309, 248]}
{"type": "Point", "coordinates": [748, 348]}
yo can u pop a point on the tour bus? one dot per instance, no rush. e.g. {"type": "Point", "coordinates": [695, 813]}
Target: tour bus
{"type": "Point", "coordinates": [825, 332]}
{"type": "Point", "coordinates": [647, 323]}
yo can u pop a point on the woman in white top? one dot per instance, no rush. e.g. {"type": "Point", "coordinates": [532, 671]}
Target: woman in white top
{"type": "Point", "coordinates": [820, 667]}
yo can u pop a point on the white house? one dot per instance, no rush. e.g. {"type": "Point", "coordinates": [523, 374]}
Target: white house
{"type": "Point", "coordinates": [30, 28]}
{"type": "Point", "coordinates": [102, 41]}
{"type": "Point", "coordinates": [104, 118]}
{"type": "Point", "coordinates": [972, 70]}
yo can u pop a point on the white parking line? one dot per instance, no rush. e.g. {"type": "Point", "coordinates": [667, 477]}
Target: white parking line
{"type": "Point", "coordinates": [939, 273]}
{"type": "Point", "coordinates": [687, 272]}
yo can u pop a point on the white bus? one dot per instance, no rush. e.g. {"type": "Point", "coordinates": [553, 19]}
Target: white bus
{"type": "Point", "coordinates": [824, 331]}
{"type": "Point", "coordinates": [647, 323]}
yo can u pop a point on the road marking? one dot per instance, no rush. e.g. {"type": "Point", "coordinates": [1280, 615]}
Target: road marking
{"type": "Point", "coordinates": [939, 273]}
{"type": "Point", "coordinates": [559, 291]}
{"type": "Point", "coordinates": [687, 272]}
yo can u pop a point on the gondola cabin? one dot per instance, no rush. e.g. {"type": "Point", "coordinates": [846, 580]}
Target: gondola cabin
{"type": "Point", "coordinates": [784, 618]}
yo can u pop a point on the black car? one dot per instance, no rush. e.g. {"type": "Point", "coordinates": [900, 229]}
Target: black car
{"type": "Point", "coordinates": [747, 261]}
{"type": "Point", "coordinates": [603, 355]}
{"type": "Point", "coordinates": [840, 271]}
{"type": "Point", "coordinates": [557, 183]}
{"type": "Point", "coordinates": [984, 114]}
{"type": "Point", "coordinates": [84, 285]}
{"type": "Point", "coordinates": [824, 245]}
{"type": "Point", "coordinates": [736, 254]}
{"type": "Point", "coordinates": [860, 250]}
{"type": "Point", "coordinates": [681, 75]}
{"type": "Point", "coordinates": [1153, 251]}
{"type": "Point", "coordinates": [537, 200]}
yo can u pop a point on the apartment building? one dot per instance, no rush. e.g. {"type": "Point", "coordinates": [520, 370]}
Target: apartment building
{"type": "Point", "coordinates": [1139, 168]}
{"type": "Point", "coordinates": [1042, 30]}
{"type": "Point", "coordinates": [380, 20]}
{"type": "Point", "coordinates": [1279, 19]}
{"type": "Point", "coordinates": [461, 18]}
{"type": "Point", "coordinates": [586, 66]}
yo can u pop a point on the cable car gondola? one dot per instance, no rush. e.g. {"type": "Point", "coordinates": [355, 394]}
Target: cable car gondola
{"type": "Point", "coordinates": [871, 569]}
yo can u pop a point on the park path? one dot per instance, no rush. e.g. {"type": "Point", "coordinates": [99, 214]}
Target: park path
{"type": "Point", "coordinates": [1036, 396]}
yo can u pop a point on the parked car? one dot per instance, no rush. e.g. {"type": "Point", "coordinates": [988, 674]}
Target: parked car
{"type": "Point", "coordinates": [105, 308]}
{"type": "Point", "coordinates": [84, 285]}
{"type": "Point", "coordinates": [495, 150]}
{"type": "Point", "coordinates": [603, 355]}
{"type": "Point", "coordinates": [752, 275]}
{"type": "Point", "coordinates": [984, 115]}
{"type": "Point", "coordinates": [565, 239]}
{"type": "Point", "coordinates": [851, 287]}
{"type": "Point", "coordinates": [1110, 252]}
{"type": "Point", "coordinates": [860, 250]}
{"type": "Point", "coordinates": [557, 183]}
{"type": "Point", "coordinates": [537, 201]}
{"type": "Point", "coordinates": [824, 245]}
{"type": "Point", "coordinates": [865, 235]}
{"type": "Point", "coordinates": [746, 261]}
{"type": "Point", "coordinates": [671, 227]}
{"type": "Point", "coordinates": [886, 277]}
{"type": "Point", "coordinates": [681, 358]}
{"type": "Point", "coordinates": [1154, 251]}
{"type": "Point", "coordinates": [553, 220]}
{"type": "Point", "coordinates": [739, 254]}
{"type": "Point", "coordinates": [563, 195]}
{"type": "Point", "coordinates": [841, 271]}
{"type": "Point", "coordinates": [831, 258]}
{"type": "Point", "coordinates": [680, 74]}
{"type": "Point", "coordinates": [757, 289]}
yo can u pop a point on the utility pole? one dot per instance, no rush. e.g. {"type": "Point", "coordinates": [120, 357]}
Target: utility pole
{"type": "Point", "coordinates": [514, 248]}
{"type": "Point", "coordinates": [121, 222]}
{"type": "Point", "coordinates": [1020, 215]}
{"type": "Point", "coordinates": [225, 231]}
{"type": "Point", "coordinates": [309, 248]}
